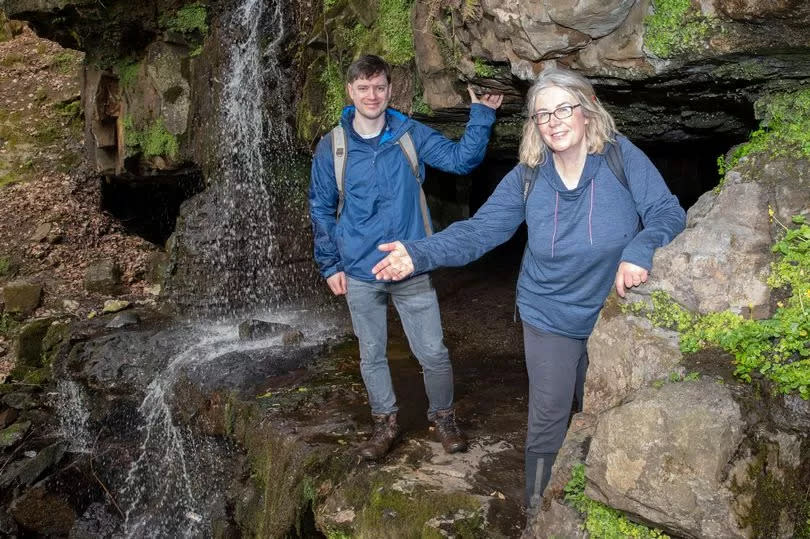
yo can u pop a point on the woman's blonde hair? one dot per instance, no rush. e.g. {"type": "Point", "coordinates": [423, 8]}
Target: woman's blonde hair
{"type": "Point", "coordinates": [600, 130]}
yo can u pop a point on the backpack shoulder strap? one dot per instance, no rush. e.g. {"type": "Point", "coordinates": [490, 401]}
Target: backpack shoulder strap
{"type": "Point", "coordinates": [529, 175]}
{"type": "Point", "coordinates": [409, 149]}
{"type": "Point", "coordinates": [339, 144]}
{"type": "Point", "coordinates": [406, 143]}
{"type": "Point", "coordinates": [615, 162]}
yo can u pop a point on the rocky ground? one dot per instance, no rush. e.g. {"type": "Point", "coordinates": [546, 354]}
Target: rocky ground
{"type": "Point", "coordinates": [51, 224]}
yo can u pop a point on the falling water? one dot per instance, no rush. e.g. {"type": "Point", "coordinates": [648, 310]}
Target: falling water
{"type": "Point", "coordinates": [252, 136]}
{"type": "Point", "coordinates": [162, 492]}
{"type": "Point", "coordinates": [73, 416]}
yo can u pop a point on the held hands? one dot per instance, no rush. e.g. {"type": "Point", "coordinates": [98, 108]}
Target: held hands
{"type": "Point", "coordinates": [628, 276]}
{"type": "Point", "coordinates": [492, 101]}
{"type": "Point", "coordinates": [396, 266]}
{"type": "Point", "coordinates": [337, 283]}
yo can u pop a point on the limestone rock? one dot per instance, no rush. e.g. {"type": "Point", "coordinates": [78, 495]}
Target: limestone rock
{"type": "Point", "coordinates": [22, 297]}
{"type": "Point", "coordinates": [625, 354]}
{"type": "Point", "coordinates": [595, 18]}
{"type": "Point", "coordinates": [41, 232]}
{"type": "Point", "coordinates": [722, 259]}
{"type": "Point", "coordinates": [559, 520]}
{"type": "Point", "coordinates": [663, 456]}
{"type": "Point", "coordinates": [124, 319]}
{"type": "Point", "coordinates": [115, 305]}
{"type": "Point", "coordinates": [103, 277]}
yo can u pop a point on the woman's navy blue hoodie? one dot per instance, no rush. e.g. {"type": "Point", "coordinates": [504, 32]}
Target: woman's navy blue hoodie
{"type": "Point", "coordinates": [577, 237]}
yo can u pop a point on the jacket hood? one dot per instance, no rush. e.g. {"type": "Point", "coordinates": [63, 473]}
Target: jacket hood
{"type": "Point", "coordinates": [396, 123]}
{"type": "Point", "coordinates": [589, 171]}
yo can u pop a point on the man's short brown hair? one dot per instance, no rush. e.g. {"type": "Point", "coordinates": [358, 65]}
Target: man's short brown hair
{"type": "Point", "coordinates": [368, 66]}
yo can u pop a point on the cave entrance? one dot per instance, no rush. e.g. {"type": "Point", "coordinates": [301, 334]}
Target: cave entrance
{"type": "Point", "coordinates": [149, 206]}
{"type": "Point", "coordinates": [689, 168]}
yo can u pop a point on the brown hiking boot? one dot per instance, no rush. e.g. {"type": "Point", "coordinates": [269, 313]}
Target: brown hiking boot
{"type": "Point", "coordinates": [448, 432]}
{"type": "Point", "coordinates": [386, 433]}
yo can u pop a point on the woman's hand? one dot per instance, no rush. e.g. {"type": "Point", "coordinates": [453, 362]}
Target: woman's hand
{"type": "Point", "coordinates": [396, 266]}
{"type": "Point", "coordinates": [628, 276]}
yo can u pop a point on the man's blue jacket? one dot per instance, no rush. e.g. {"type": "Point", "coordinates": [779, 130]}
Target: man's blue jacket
{"type": "Point", "coordinates": [381, 195]}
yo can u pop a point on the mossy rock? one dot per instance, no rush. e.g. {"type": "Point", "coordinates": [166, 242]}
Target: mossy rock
{"type": "Point", "coordinates": [13, 433]}
{"type": "Point", "coordinates": [29, 343]}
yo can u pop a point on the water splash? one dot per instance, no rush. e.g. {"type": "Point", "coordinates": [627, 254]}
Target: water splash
{"type": "Point", "coordinates": [73, 414]}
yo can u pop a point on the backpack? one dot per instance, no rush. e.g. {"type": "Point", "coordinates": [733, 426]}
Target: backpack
{"type": "Point", "coordinates": [340, 153]}
{"type": "Point", "coordinates": [615, 162]}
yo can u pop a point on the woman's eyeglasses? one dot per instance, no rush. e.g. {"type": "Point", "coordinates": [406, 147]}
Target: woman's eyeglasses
{"type": "Point", "coordinates": [560, 113]}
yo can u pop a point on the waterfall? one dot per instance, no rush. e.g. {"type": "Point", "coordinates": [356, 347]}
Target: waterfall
{"type": "Point", "coordinates": [73, 415]}
{"type": "Point", "coordinates": [253, 134]}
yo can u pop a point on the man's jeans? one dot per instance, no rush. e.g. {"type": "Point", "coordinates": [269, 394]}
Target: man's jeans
{"type": "Point", "coordinates": [418, 308]}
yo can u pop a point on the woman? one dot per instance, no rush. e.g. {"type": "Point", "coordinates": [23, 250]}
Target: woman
{"type": "Point", "coordinates": [588, 230]}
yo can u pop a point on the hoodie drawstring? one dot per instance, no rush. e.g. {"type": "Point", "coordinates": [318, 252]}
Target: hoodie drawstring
{"type": "Point", "coordinates": [590, 212]}
{"type": "Point", "coordinates": [554, 234]}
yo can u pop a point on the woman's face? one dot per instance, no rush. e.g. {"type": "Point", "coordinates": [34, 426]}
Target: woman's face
{"type": "Point", "coordinates": [561, 135]}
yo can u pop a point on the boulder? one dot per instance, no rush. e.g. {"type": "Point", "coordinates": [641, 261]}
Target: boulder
{"type": "Point", "coordinates": [722, 260]}
{"type": "Point", "coordinates": [625, 353]}
{"type": "Point", "coordinates": [595, 18]}
{"type": "Point", "coordinates": [664, 454]}
{"type": "Point", "coordinates": [44, 459]}
{"type": "Point", "coordinates": [29, 344]}
{"type": "Point", "coordinates": [22, 297]}
{"type": "Point", "coordinates": [558, 520]}
{"type": "Point", "coordinates": [13, 434]}
{"type": "Point", "coordinates": [43, 512]}
{"type": "Point", "coordinates": [115, 305]}
{"type": "Point", "coordinates": [103, 277]}
{"type": "Point", "coordinates": [260, 329]}
{"type": "Point", "coordinates": [124, 319]}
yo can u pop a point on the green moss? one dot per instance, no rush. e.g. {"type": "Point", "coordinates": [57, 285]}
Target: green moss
{"type": "Point", "coordinates": [748, 70]}
{"type": "Point", "coordinates": [420, 107]}
{"type": "Point", "coordinates": [5, 266]}
{"type": "Point", "coordinates": [601, 521]}
{"type": "Point", "coordinates": [188, 19]}
{"type": "Point", "coordinates": [66, 62]}
{"type": "Point", "coordinates": [153, 141]}
{"type": "Point", "coordinates": [127, 70]}
{"type": "Point", "coordinates": [335, 98]}
{"type": "Point", "coordinates": [483, 69]}
{"type": "Point", "coordinates": [783, 131]}
{"type": "Point", "coordinates": [778, 347]}
{"type": "Point", "coordinates": [384, 507]}
{"type": "Point", "coordinates": [8, 324]}
{"type": "Point", "coordinates": [394, 22]}
{"type": "Point", "coordinates": [775, 498]}
{"type": "Point", "coordinates": [674, 28]}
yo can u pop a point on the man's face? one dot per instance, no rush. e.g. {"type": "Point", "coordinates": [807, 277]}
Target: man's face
{"type": "Point", "coordinates": [370, 96]}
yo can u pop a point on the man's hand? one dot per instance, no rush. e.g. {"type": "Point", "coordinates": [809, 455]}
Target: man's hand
{"type": "Point", "coordinates": [396, 266]}
{"type": "Point", "coordinates": [337, 283]}
{"type": "Point", "coordinates": [628, 276]}
{"type": "Point", "coordinates": [492, 101]}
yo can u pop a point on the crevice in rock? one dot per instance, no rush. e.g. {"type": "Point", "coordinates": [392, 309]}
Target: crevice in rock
{"type": "Point", "coordinates": [150, 206]}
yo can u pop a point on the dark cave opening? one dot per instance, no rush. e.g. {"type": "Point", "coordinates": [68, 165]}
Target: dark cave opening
{"type": "Point", "coordinates": [149, 206]}
{"type": "Point", "coordinates": [689, 168]}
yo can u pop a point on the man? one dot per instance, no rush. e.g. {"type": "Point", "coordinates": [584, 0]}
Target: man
{"type": "Point", "coordinates": [364, 191]}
